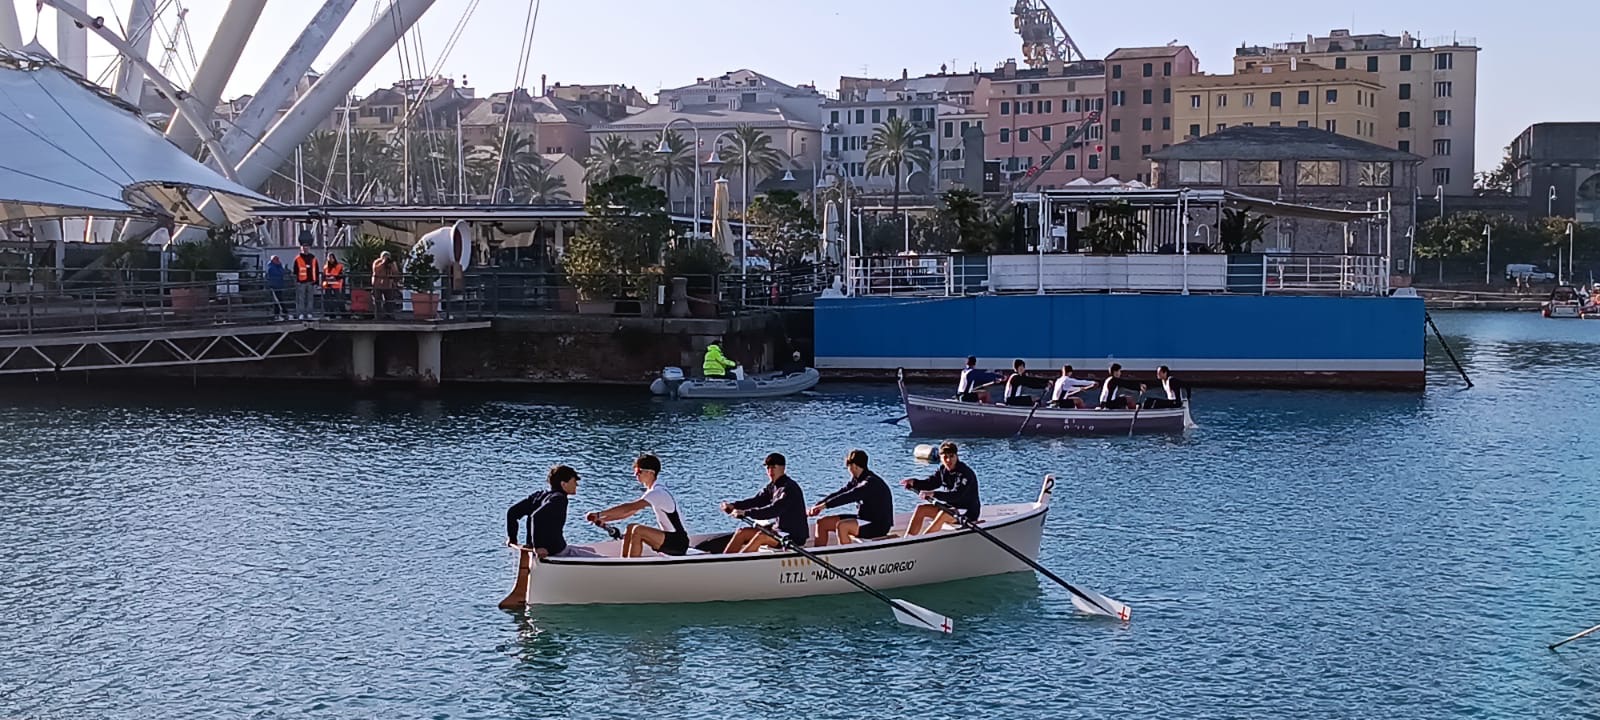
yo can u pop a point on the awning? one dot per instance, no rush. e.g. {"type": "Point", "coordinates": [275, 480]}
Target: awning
{"type": "Point", "coordinates": [1164, 197]}
{"type": "Point", "coordinates": [71, 148]}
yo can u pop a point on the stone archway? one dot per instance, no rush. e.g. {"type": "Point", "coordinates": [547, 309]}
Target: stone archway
{"type": "Point", "coordinates": [1587, 204]}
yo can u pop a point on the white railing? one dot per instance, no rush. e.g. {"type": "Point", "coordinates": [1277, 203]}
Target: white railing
{"type": "Point", "coordinates": [1249, 274]}
{"type": "Point", "coordinates": [1325, 274]}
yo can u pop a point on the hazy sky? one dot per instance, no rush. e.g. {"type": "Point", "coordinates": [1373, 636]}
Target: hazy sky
{"type": "Point", "coordinates": [1531, 69]}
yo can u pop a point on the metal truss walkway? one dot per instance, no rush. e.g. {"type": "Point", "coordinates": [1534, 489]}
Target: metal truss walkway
{"type": "Point", "coordinates": [157, 347]}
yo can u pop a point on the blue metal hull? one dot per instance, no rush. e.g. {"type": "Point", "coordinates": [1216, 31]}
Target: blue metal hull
{"type": "Point", "coordinates": [1272, 341]}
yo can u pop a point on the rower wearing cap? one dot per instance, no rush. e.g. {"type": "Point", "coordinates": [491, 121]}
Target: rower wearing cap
{"type": "Point", "coordinates": [953, 484]}
{"type": "Point", "coordinates": [781, 499]}
{"type": "Point", "coordinates": [669, 537]}
{"type": "Point", "coordinates": [546, 512]}
{"type": "Point", "coordinates": [875, 509]}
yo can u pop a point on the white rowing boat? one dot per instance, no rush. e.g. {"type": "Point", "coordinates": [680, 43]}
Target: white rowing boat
{"type": "Point", "coordinates": [898, 561]}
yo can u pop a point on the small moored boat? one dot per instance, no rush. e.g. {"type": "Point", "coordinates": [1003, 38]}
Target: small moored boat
{"type": "Point", "coordinates": [1564, 302]}
{"type": "Point", "coordinates": [673, 382]}
{"type": "Point", "coordinates": [896, 561]}
{"type": "Point", "coordinates": [950, 417]}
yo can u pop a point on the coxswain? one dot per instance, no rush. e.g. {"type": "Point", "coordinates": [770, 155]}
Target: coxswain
{"type": "Point", "coordinates": [1067, 387]}
{"type": "Point", "coordinates": [716, 365]}
{"type": "Point", "coordinates": [953, 484]}
{"type": "Point", "coordinates": [874, 516]}
{"type": "Point", "coordinates": [1174, 389]}
{"type": "Point", "coordinates": [546, 512]}
{"type": "Point", "coordinates": [669, 536]}
{"type": "Point", "coordinates": [781, 499]}
{"type": "Point", "coordinates": [1110, 399]}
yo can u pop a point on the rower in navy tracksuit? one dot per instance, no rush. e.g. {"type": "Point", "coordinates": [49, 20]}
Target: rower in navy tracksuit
{"type": "Point", "coordinates": [781, 500]}
{"type": "Point", "coordinates": [875, 512]}
{"type": "Point", "coordinates": [546, 512]}
{"type": "Point", "coordinates": [954, 484]}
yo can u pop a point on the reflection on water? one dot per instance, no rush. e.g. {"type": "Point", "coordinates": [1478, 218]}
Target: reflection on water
{"type": "Point", "coordinates": [1300, 554]}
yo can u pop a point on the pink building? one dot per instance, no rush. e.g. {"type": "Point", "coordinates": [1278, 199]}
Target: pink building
{"type": "Point", "coordinates": [1030, 113]}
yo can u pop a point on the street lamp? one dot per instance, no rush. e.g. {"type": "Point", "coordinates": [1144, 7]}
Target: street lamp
{"type": "Point", "coordinates": [1439, 195]}
{"type": "Point", "coordinates": [1411, 252]}
{"type": "Point", "coordinates": [663, 149]}
{"type": "Point", "coordinates": [1488, 250]}
{"type": "Point", "coordinates": [1550, 205]}
{"type": "Point", "coordinates": [1571, 270]}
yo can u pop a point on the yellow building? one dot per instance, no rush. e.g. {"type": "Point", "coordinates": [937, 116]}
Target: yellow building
{"type": "Point", "coordinates": [1290, 94]}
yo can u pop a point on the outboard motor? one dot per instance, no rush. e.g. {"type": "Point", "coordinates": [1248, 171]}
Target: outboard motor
{"type": "Point", "coordinates": [667, 384]}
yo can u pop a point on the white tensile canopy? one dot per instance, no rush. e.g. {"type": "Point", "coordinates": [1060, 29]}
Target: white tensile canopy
{"type": "Point", "coordinates": [72, 148]}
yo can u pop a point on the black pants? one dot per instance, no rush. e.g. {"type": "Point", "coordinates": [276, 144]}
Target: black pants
{"type": "Point", "coordinates": [1162, 404]}
{"type": "Point", "coordinates": [1020, 400]}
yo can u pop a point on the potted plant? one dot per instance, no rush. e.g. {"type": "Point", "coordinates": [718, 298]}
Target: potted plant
{"type": "Point", "coordinates": [359, 258]}
{"type": "Point", "coordinates": [1236, 233]}
{"type": "Point", "coordinates": [198, 264]}
{"type": "Point", "coordinates": [623, 236]}
{"type": "Point", "coordinates": [422, 279]}
{"type": "Point", "coordinates": [699, 262]}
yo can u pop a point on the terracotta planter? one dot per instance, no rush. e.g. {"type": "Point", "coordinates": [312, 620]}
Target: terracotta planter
{"type": "Point", "coordinates": [566, 299]}
{"type": "Point", "coordinates": [424, 306]}
{"type": "Point", "coordinates": [189, 299]}
{"type": "Point", "coordinates": [361, 301]}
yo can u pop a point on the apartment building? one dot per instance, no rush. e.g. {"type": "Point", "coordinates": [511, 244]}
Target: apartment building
{"type": "Point", "coordinates": [1558, 170]}
{"type": "Point", "coordinates": [1139, 105]}
{"type": "Point", "coordinates": [1433, 83]}
{"type": "Point", "coordinates": [557, 126]}
{"type": "Point", "coordinates": [1032, 111]}
{"type": "Point", "coordinates": [941, 106]}
{"type": "Point", "coordinates": [789, 114]}
{"type": "Point", "coordinates": [1288, 94]}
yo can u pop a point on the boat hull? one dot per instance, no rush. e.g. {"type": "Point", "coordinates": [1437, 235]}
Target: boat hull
{"type": "Point", "coordinates": [882, 564]}
{"type": "Point", "coordinates": [953, 418]}
{"type": "Point", "coordinates": [745, 389]}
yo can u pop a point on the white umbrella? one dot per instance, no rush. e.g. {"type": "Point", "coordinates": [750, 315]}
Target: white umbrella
{"type": "Point", "coordinates": [721, 231]}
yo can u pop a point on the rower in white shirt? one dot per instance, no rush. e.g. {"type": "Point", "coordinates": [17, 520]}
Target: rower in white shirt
{"type": "Point", "coordinates": [1067, 388]}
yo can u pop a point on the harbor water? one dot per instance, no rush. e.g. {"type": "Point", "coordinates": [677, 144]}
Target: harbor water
{"type": "Point", "coordinates": [271, 552]}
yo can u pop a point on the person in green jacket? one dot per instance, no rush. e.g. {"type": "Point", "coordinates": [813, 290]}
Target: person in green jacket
{"type": "Point", "coordinates": [716, 365]}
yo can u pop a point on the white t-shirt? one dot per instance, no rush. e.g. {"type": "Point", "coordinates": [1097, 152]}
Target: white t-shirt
{"type": "Point", "coordinates": [1066, 385]}
{"type": "Point", "coordinates": [666, 508]}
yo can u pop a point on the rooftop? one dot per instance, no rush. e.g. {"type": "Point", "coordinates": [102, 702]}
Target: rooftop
{"type": "Point", "coordinates": [1279, 74]}
{"type": "Point", "coordinates": [1161, 51]}
{"type": "Point", "coordinates": [1277, 143]}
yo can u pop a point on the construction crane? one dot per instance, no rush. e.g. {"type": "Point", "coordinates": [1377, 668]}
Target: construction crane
{"type": "Point", "coordinates": [1044, 37]}
{"type": "Point", "coordinates": [1072, 139]}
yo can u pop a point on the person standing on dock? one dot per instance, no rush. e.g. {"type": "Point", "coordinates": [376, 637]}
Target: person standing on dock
{"type": "Point", "coordinates": [953, 484]}
{"type": "Point", "coordinates": [1110, 398]}
{"type": "Point", "coordinates": [780, 500]}
{"type": "Point", "coordinates": [307, 274]}
{"type": "Point", "coordinates": [1067, 387]}
{"type": "Point", "coordinates": [333, 285]}
{"type": "Point", "coordinates": [874, 516]}
{"type": "Point", "coordinates": [716, 366]}
{"type": "Point", "coordinates": [546, 512]}
{"type": "Point", "coordinates": [385, 285]}
{"type": "Point", "coordinates": [1171, 387]}
{"type": "Point", "coordinates": [277, 282]}
{"type": "Point", "coordinates": [669, 536]}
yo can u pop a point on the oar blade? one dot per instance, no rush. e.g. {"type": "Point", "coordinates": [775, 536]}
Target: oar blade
{"type": "Point", "coordinates": [1097, 604]}
{"type": "Point", "coordinates": [922, 617]}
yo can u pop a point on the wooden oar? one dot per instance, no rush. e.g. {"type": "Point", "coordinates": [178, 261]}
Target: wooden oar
{"type": "Point", "coordinates": [1138, 405]}
{"type": "Point", "coordinates": [905, 612]}
{"type": "Point", "coordinates": [1088, 601]}
{"type": "Point", "coordinates": [892, 421]}
{"type": "Point", "coordinates": [1029, 418]}
{"type": "Point", "coordinates": [1575, 637]}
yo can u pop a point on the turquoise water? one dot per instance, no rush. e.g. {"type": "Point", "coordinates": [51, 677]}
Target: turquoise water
{"type": "Point", "coordinates": [1301, 554]}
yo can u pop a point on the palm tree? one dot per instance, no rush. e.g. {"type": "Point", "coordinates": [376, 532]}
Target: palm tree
{"type": "Point", "coordinates": [895, 145]}
{"type": "Point", "coordinates": [614, 155]}
{"type": "Point", "coordinates": [546, 188]}
{"type": "Point", "coordinates": [517, 163]}
{"type": "Point", "coordinates": [677, 162]}
{"type": "Point", "coordinates": [764, 159]}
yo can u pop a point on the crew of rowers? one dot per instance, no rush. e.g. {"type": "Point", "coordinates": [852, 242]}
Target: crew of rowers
{"type": "Point", "coordinates": [1116, 392]}
{"type": "Point", "coordinates": [950, 495]}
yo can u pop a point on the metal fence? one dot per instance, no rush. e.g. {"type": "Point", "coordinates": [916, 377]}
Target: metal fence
{"type": "Point", "coordinates": [1248, 274]}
